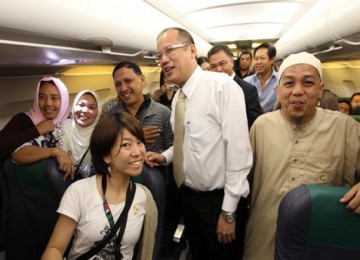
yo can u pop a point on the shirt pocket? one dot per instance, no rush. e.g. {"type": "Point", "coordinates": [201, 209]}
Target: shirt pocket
{"type": "Point", "coordinates": [199, 136]}
{"type": "Point", "coordinates": [321, 170]}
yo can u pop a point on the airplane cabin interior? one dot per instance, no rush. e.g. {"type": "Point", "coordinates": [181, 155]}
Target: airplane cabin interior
{"type": "Point", "coordinates": [81, 41]}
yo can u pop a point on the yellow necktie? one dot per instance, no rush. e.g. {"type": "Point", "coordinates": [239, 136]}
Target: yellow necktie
{"type": "Point", "coordinates": [178, 159]}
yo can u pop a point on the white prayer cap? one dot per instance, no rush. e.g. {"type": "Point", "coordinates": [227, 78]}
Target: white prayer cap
{"type": "Point", "coordinates": [301, 58]}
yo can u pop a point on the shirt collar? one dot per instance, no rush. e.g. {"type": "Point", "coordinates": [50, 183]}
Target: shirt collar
{"type": "Point", "coordinates": [190, 84]}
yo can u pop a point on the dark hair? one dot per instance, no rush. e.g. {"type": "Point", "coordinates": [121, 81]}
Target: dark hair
{"type": "Point", "coordinates": [129, 65]}
{"type": "Point", "coordinates": [271, 49]}
{"type": "Point", "coordinates": [183, 35]}
{"type": "Point", "coordinates": [329, 101]}
{"type": "Point", "coordinates": [353, 95]}
{"type": "Point", "coordinates": [246, 52]}
{"type": "Point", "coordinates": [348, 103]}
{"type": "Point", "coordinates": [105, 134]}
{"type": "Point", "coordinates": [201, 60]}
{"type": "Point", "coordinates": [219, 48]}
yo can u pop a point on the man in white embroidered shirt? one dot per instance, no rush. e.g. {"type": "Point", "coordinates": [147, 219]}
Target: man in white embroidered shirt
{"type": "Point", "coordinates": [216, 148]}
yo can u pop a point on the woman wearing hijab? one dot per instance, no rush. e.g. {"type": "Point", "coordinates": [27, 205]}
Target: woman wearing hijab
{"type": "Point", "coordinates": [46, 145]}
{"type": "Point", "coordinates": [50, 107]}
{"type": "Point", "coordinates": [86, 111]}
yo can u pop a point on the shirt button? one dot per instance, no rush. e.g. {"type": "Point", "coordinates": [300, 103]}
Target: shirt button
{"type": "Point", "coordinates": [297, 141]}
{"type": "Point", "coordinates": [295, 160]}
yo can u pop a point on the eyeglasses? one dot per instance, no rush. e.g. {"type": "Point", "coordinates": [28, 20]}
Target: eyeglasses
{"type": "Point", "coordinates": [170, 50]}
{"type": "Point", "coordinates": [221, 64]}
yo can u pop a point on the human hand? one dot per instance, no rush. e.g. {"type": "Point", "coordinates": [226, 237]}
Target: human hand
{"type": "Point", "coordinates": [225, 231]}
{"type": "Point", "coordinates": [45, 127]}
{"type": "Point", "coordinates": [150, 133]}
{"type": "Point", "coordinates": [154, 159]}
{"type": "Point", "coordinates": [352, 198]}
{"type": "Point", "coordinates": [65, 163]}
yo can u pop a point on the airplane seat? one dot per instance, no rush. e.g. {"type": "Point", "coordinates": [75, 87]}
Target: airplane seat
{"type": "Point", "coordinates": [356, 111]}
{"type": "Point", "coordinates": [152, 179]}
{"type": "Point", "coordinates": [313, 224]}
{"type": "Point", "coordinates": [356, 117]}
{"type": "Point", "coordinates": [4, 208]}
{"type": "Point", "coordinates": [339, 99]}
{"type": "Point", "coordinates": [33, 203]}
{"type": "Point", "coordinates": [55, 177]}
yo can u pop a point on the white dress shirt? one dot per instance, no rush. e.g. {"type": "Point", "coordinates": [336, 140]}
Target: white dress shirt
{"type": "Point", "coordinates": [217, 151]}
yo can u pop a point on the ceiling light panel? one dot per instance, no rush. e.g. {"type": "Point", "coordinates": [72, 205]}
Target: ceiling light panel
{"type": "Point", "coordinates": [208, 18]}
{"type": "Point", "coordinates": [244, 32]}
{"type": "Point", "coordinates": [242, 14]}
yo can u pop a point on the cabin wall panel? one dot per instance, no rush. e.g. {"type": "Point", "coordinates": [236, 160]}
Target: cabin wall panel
{"type": "Point", "coordinates": [342, 81]}
{"type": "Point", "coordinates": [17, 93]}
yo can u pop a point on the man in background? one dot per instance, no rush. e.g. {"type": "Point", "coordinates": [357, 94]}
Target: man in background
{"type": "Point", "coordinates": [221, 60]}
{"type": "Point", "coordinates": [244, 64]}
{"type": "Point", "coordinates": [265, 78]}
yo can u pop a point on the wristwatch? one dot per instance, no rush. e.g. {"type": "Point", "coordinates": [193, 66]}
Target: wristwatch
{"type": "Point", "coordinates": [228, 216]}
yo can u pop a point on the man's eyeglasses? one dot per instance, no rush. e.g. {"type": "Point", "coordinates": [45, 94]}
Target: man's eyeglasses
{"type": "Point", "coordinates": [221, 64]}
{"type": "Point", "coordinates": [170, 50]}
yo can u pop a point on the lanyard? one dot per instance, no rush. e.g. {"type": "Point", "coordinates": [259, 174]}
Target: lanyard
{"type": "Point", "coordinates": [108, 213]}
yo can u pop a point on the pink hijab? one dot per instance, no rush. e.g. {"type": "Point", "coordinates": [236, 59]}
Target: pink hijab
{"type": "Point", "coordinates": [36, 115]}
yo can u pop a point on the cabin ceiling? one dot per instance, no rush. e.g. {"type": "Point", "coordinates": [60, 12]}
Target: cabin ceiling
{"type": "Point", "coordinates": [45, 37]}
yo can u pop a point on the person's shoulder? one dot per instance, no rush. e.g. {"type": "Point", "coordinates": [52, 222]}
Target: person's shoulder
{"type": "Point", "coordinates": [21, 116]}
{"type": "Point", "coordinates": [250, 78]}
{"type": "Point", "coordinates": [84, 185]}
{"type": "Point", "coordinates": [266, 118]}
{"type": "Point", "coordinates": [143, 192]}
{"type": "Point", "coordinates": [220, 79]}
{"type": "Point", "coordinates": [110, 103]}
{"type": "Point", "coordinates": [244, 84]}
{"type": "Point", "coordinates": [159, 106]}
{"type": "Point", "coordinates": [336, 118]}
{"type": "Point", "coordinates": [142, 188]}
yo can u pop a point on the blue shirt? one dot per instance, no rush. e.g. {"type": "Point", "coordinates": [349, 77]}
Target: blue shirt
{"type": "Point", "coordinates": [267, 95]}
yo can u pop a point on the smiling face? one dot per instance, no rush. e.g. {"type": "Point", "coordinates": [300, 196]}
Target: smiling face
{"type": "Point", "coordinates": [127, 155]}
{"type": "Point", "coordinates": [86, 110]}
{"type": "Point", "coordinates": [263, 64]}
{"type": "Point", "coordinates": [49, 100]}
{"type": "Point", "coordinates": [220, 62]}
{"type": "Point", "coordinates": [129, 86]}
{"type": "Point", "coordinates": [177, 63]}
{"type": "Point", "coordinates": [299, 90]}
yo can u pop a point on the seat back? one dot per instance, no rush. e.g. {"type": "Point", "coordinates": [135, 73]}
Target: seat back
{"type": "Point", "coordinates": [32, 210]}
{"type": "Point", "coordinates": [152, 179]}
{"type": "Point", "coordinates": [356, 110]}
{"type": "Point", "coordinates": [313, 224]}
{"type": "Point", "coordinates": [4, 207]}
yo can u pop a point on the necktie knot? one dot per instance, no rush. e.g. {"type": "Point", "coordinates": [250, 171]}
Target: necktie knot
{"type": "Point", "coordinates": [181, 95]}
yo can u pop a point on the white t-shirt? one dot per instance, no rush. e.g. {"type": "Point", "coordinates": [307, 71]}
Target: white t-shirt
{"type": "Point", "coordinates": [83, 203]}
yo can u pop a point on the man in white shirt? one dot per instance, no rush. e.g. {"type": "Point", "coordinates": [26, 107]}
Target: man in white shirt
{"type": "Point", "coordinates": [216, 148]}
